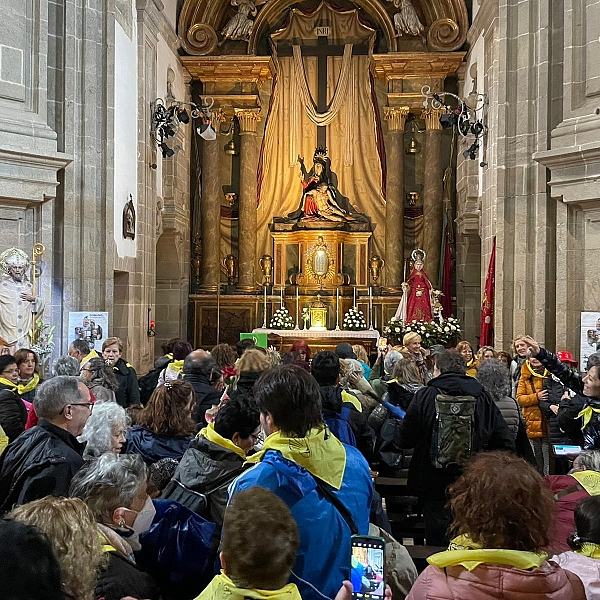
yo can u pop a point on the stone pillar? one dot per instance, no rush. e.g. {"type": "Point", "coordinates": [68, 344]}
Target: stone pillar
{"type": "Point", "coordinates": [432, 193]}
{"type": "Point", "coordinates": [248, 119]}
{"type": "Point", "coordinates": [394, 208]}
{"type": "Point", "coordinates": [211, 209]}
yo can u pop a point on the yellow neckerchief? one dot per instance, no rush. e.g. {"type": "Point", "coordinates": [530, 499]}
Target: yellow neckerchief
{"type": "Point", "coordinates": [352, 399]}
{"type": "Point", "coordinates": [10, 384]}
{"type": "Point", "coordinates": [589, 549]}
{"type": "Point", "coordinates": [169, 356]}
{"type": "Point", "coordinates": [92, 354]}
{"type": "Point", "coordinates": [176, 365]}
{"type": "Point", "coordinates": [23, 388]}
{"type": "Point", "coordinates": [222, 587]}
{"type": "Point", "coordinates": [463, 551]}
{"type": "Point", "coordinates": [320, 453]}
{"type": "Point", "coordinates": [106, 545]}
{"type": "Point", "coordinates": [470, 363]}
{"type": "Point", "coordinates": [587, 413]}
{"type": "Point", "coordinates": [546, 372]}
{"type": "Point", "coordinates": [589, 481]}
{"type": "Point", "coordinates": [212, 436]}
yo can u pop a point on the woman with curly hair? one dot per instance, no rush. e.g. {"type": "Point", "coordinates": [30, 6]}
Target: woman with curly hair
{"type": "Point", "coordinates": [224, 355]}
{"type": "Point", "coordinates": [105, 430]}
{"type": "Point", "coordinates": [71, 529]}
{"type": "Point", "coordinates": [502, 511]}
{"type": "Point", "coordinates": [164, 427]}
{"type": "Point", "coordinates": [484, 353]}
{"type": "Point", "coordinates": [100, 379]}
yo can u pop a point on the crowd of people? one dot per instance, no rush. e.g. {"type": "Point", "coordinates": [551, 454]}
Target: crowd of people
{"type": "Point", "coordinates": [244, 472]}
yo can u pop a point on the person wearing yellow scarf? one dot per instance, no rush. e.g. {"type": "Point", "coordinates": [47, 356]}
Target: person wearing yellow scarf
{"type": "Point", "coordinates": [584, 559]}
{"type": "Point", "coordinates": [259, 545]}
{"type": "Point", "coordinates": [13, 414]}
{"type": "Point", "coordinates": [305, 465]}
{"type": "Point", "coordinates": [28, 386]}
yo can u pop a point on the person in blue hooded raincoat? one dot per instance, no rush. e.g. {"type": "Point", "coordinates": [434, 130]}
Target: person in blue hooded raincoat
{"type": "Point", "coordinates": [304, 464]}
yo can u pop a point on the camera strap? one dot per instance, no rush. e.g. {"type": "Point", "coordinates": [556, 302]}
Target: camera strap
{"type": "Point", "coordinates": [344, 512]}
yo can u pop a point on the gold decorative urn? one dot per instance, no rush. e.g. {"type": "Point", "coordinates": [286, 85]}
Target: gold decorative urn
{"type": "Point", "coordinates": [266, 266]}
{"type": "Point", "coordinates": [376, 263]}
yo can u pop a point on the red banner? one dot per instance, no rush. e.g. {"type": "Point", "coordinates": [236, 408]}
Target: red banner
{"type": "Point", "coordinates": [486, 332]}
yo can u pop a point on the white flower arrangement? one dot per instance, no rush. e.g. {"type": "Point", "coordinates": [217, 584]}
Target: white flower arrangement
{"type": "Point", "coordinates": [354, 320]}
{"type": "Point", "coordinates": [431, 332]}
{"type": "Point", "coordinates": [281, 319]}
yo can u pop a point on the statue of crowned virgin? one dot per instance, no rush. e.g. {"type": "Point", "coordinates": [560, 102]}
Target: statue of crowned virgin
{"type": "Point", "coordinates": [418, 300]}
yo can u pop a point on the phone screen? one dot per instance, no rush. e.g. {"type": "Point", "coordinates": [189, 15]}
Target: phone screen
{"type": "Point", "coordinates": [382, 342]}
{"type": "Point", "coordinates": [367, 572]}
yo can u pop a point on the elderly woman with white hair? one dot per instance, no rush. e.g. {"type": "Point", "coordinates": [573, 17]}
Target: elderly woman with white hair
{"type": "Point", "coordinates": [377, 379]}
{"type": "Point", "coordinates": [105, 430]}
{"type": "Point", "coordinates": [114, 487]}
{"type": "Point", "coordinates": [353, 380]}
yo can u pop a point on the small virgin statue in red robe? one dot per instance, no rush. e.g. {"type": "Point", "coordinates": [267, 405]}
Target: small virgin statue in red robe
{"type": "Point", "coordinates": [417, 300]}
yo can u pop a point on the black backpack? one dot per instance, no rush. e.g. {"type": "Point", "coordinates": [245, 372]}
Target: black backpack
{"type": "Point", "coordinates": [453, 431]}
{"type": "Point", "coordinates": [147, 384]}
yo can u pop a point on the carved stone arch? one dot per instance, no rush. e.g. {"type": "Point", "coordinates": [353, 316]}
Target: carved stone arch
{"type": "Point", "coordinates": [272, 11]}
{"type": "Point", "coordinates": [447, 22]}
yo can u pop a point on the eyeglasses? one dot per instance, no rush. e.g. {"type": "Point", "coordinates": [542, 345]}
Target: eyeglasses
{"type": "Point", "coordinates": [89, 405]}
{"type": "Point", "coordinates": [257, 437]}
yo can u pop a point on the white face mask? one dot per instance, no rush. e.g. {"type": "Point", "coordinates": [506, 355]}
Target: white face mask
{"type": "Point", "coordinates": [142, 522]}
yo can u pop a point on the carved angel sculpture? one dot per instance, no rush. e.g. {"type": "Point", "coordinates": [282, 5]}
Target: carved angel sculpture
{"type": "Point", "coordinates": [240, 25]}
{"type": "Point", "coordinates": [406, 20]}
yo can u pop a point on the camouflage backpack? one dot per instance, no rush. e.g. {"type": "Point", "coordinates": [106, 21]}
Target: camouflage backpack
{"type": "Point", "coordinates": [453, 430]}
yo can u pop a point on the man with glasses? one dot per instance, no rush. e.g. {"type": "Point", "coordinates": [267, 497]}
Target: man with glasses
{"type": "Point", "coordinates": [43, 460]}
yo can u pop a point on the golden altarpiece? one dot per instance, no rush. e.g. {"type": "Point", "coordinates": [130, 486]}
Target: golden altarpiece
{"type": "Point", "coordinates": [323, 143]}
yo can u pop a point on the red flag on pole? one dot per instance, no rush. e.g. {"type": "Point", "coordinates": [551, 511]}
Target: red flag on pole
{"type": "Point", "coordinates": [486, 332]}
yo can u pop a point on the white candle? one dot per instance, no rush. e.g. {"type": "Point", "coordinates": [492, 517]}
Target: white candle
{"type": "Point", "coordinates": [265, 309]}
{"type": "Point", "coordinates": [337, 308]}
{"type": "Point", "coordinates": [370, 307]}
{"type": "Point", "coordinates": [297, 307]}
{"type": "Point", "coordinates": [354, 296]}
{"type": "Point", "coordinates": [281, 297]}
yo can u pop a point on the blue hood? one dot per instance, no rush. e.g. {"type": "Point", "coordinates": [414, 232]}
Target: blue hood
{"type": "Point", "coordinates": [152, 447]}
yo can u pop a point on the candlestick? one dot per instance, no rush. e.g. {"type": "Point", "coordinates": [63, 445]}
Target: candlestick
{"type": "Point", "coordinates": [281, 296]}
{"type": "Point", "coordinates": [297, 307]}
{"type": "Point", "coordinates": [265, 309]}
{"type": "Point", "coordinates": [354, 296]}
{"type": "Point", "coordinates": [370, 307]}
{"type": "Point", "coordinates": [337, 309]}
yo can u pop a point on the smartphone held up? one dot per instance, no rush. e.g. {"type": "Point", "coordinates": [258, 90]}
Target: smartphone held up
{"type": "Point", "coordinates": [367, 572]}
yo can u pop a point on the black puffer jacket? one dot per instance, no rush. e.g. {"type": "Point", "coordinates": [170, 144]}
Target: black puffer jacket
{"type": "Point", "coordinates": [128, 392]}
{"type": "Point", "coordinates": [401, 394]}
{"type": "Point", "coordinates": [245, 384]}
{"type": "Point", "coordinates": [555, 390]}
{"type": "Point", "coordinates": [122, 578]}
{"type": "Point", "coordinates": [205, 469]}
{"type": "Point", "coordinates": [416, 431]}
{"type": "Point", "coordinates": [13, 414]}
{"type": "Point", "coordinates": [40, 462]}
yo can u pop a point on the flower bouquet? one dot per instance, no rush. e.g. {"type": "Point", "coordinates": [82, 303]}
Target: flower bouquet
{"type": "Point", "coordinates": [443, 332]}
{"type": "Point", "coordinates": [354, 320]}
{"type": "Point", "coordinates": [281, 319]}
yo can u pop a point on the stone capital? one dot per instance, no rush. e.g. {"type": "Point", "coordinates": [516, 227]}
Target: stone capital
{"type": "Point", "coordinates": [431, 116]}
{"type": "Point", "coordinates": [396, 117]}
{"type": "Point", "coordinates": [248, 119]}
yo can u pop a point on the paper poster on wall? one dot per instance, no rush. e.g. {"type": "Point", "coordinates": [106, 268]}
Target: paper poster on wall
{"type": "Point", "coordinates": [590, 336]}
{"type": "Point", "coordinates": [89, 326]}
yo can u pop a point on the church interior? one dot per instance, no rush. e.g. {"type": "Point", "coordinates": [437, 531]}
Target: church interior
{"type": "Point", "coordinates": [192, 166]}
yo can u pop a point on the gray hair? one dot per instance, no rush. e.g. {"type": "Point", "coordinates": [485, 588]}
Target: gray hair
{"type": "Point", "coordinates": [102, 374]}
{"type": "Point", "coordinates": [106, 418]}
{"type": "Point", "coordinates": [494, 377]}
{"type": "Point", "coordinates": [391, 358]}
{"type": "Point", "coordinates": [66, 365]}
{"type": "Point", "coordinates": [54, 394]}
{"type": "Point", "coordinates": [110, 482]}
{"type": "Point", "coordinates": [590, 459]}
{"type": "Point", "coordinates": [351, 365]}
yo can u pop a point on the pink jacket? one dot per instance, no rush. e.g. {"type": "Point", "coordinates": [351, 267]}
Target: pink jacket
{"type": "Point", "coordinates": [496, 582]}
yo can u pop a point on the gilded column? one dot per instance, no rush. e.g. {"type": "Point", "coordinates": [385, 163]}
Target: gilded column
{"type": "Point", "coordinates": [211, 209]}
{"type": "Point", "coordinates": [394, 208]}
{"type": "Point", "coordinates": [432, 193]}
{"type": "Point", "coordinates": [248, 119]}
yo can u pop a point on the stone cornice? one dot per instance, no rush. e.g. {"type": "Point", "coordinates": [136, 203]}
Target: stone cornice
{"type": "Point", "coordinates": [416, 65]}
{"type": "Point", "coordinates": [230, 69]}
{"type": "Point", "coordinates": [484, 18]}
